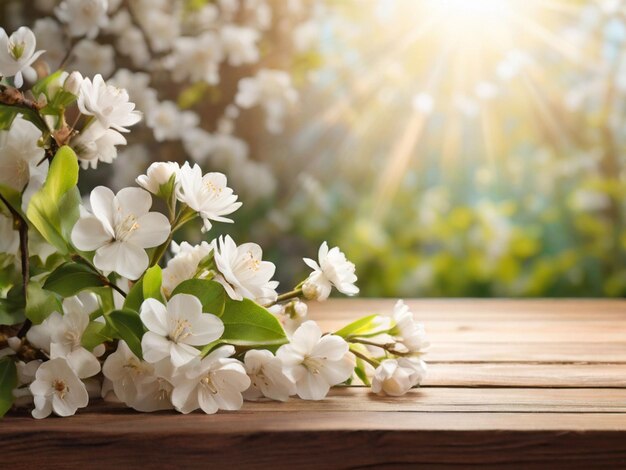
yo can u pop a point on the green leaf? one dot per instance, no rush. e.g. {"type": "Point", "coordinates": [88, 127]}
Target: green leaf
{"type": "Point", "coordinates": [95, 334]}
{"type": "Point", "coordinates": [127, 326]}
{"type": "Point", "coordinates": [7, 115]}
{"type": "Point", "coordinates": [53, 210]}
{"type": "Point", "coordinates": [134, 298]}
{"type": "Point", "coordinates": [359, 370]}
{"type": "Point", "coordinates": [152, 280]}
{"type": "Point", "coordinates": [246, 323]}
{"type": "Point", "coordinates": [12, 307]}
{"type": "Point", "coordinates": [40, 303]}
{"type": "Point", "coordinates": [8, 381]}
{"type": "Point", "coordinates": [210, 293]}
{"type": "Point", "coordinates": [70, 278]}
{"type": "Point", "coordinates": [362, 326]}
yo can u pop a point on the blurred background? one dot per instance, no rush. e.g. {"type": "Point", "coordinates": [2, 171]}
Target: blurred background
{"type": "Point", "coordinates": [449, 147]}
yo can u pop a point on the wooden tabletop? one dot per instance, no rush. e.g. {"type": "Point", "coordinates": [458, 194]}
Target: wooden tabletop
{"type": "Point", "coordinates": [510, 383]}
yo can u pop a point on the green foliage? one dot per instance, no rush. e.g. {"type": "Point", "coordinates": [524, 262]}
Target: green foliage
{"type": "Point", "coordinates": [135, 297]}
{"type": "Point", "coordinates": [7, 115]}
{"type": "Point", "coordinates": [53, 210]}
{"type": "Point", "coordinates": [40, 303]}
{"type": "Point", "coordinates": [151, 284]}
{"type": "Point", "coordinates": [8, 381]}
{"type": "Point", "coordinates": [362, 327]}
{"type": "Point", "coordinates": [12, 307]}
{"type": "Point", "coordinates": [210, 293]}
{"type": "Point", "coordinates": [95, 334]}
{"type": "Point", "coordinates": [71, 278]}
{"type": "Point", "coordinates": [127, 325]}
{"type": "Point", "coordinates": [246, 324]}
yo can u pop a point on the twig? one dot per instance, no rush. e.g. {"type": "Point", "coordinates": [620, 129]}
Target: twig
{"type": "Point", "coordinates": [22, 228]}
{"type": "Point", "coordinates": [105, 280]}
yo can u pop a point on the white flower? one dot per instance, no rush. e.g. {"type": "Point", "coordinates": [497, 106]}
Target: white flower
{"type": "Point", "coordinates": [137, 84]}
{"type": "Point", "coordinates": [17, 53]}
{"type": "Point", "coordinates": [72, 82]}
{"type": "Point", "coordinates": [20, 154]}
{"type": "Point", "coordinates": [239, 43]}
{"type": "Point", "coordinates": [61, 336]}
{"type": "Point", "coordinates": [134, 381]}
{"type": "Point", "coordinates": [270, 89]}
{"type": "Point", "coordinates": [395, 377]}
{"type": "Point", "coordinates": [184, 265]}
{"type": "Point", "coordinates": [97, 144]}
{"type": "Point", "coordinates": [196, 58]}
{"type": "Point", "coordinates": [333, 270]}
{"type": "Point", "coordinates": [198, 143]}
{"type": "Point", "coordinates": [168, 122]}
{"type": "Point", "coordinates": [291, 316]}
{"type": "Point", "coordinates": [406, 330]}
{"type": "Point", "coordinates": [316, 362]}
{"type": "Point", "coordinates": [92, 58]}
{"type": "Point", "coordinates": [108, 104]}
{"type": "Point", "coordinates": [83, 17]}
{"type": "Point", "coordinates": [216, 383]}
{"type": "Point", "coordinates": [49, 32]}
{"type": "Point", "coordinates": [267, 377]}
{"type": "Point", "coordinates": [120, 229]}
{"type": "Point", "coordinates": [158, 173]}
{"type": "Point", "coordinates": [242, 271]}
{"type": "Point", "coordinates": [57, 388]}
{"type": "Point", "coordinates": [161, 27]}
{"type": "Point", "coordinates": [208, 194]}
{"type": "Point", "coordinates": [175, 330]}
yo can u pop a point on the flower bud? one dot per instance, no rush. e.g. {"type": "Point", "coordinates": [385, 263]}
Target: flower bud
{"type": "Point", "coordinates": [158, 173]}
{"type": "Point", "coordinates": [395, 377]}
{"type": "Point", "coordinates": [72, 83]}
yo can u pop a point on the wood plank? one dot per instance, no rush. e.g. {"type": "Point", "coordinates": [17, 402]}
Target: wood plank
{"type": "Point", "coordinates": [562, 352]}
{"type": "Point", "coordinates": [317, 439]}
{"type": "Point", "coordinates": [441, 399]}
{"type": "Point", "coordinates": [510, 331]}
{"type": "Point", "coordinates": [493, 310]}
{"type": "Point", "coordinates": [526, 375]}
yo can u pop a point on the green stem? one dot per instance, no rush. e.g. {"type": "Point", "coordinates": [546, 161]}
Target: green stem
{"type": "Point", "coordinates": [294, 294]}
{"type": "Point", "coordinates": [183, 217]}
{"type": "Point", "coordinates": [370, 360]}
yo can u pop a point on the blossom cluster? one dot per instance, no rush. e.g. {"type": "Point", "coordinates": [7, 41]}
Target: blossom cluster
{"type": "Point", "coordinates": [174, 54]}
{"type": "Point", "coordinates": [97, 310]}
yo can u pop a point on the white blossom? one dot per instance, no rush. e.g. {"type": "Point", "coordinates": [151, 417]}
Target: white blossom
{"type": "Point", "coordinates": [175, 329]}
{"type": "Point", "coordinates": [97, 144]}
{"type": "Point", "coordinates": [208, 195]}
{"type": "Point", "coordinates": [162, 28]}
{"type": "Point", "coordinates": [333, 270]}
{"type": "Point", "coordinates": [267, 378]}
{"type": "Point", "coordinates": [239, 44]}
{"type": "Point", "coordinates": [49, 32]}
{"type": "Point", "coordinates": [316, 362]}
{"type": "Point", "coordinates": [198, 143]}
{"type": "Point", "coordinates": [216, 383]}
{"type": "Point", "coordinates": [272, 90]}
{"type": "Point", "coordinates": [395, 377]}
{"type": "Point", "coordinates": [108, 104]}
{"type": "Point", "coordinates": [120, 229]}
{"type": "Point", "coordinates": [406, 330]}
{"type": "Point", "coordinates": [20, 155]}
{"type": "Point", "coordinates": [242, 271]}
{"type": "Point", "coordinates": [196, 59]}
{"type": "Point", "coordinates": [83, 17]}
{"type": "Point", "coordinates": [57, 389]}
{"type": "Point", "coordinates": [61, 336]}
{"type": "Point", "coordinates": [158, 173]}
{"type": "Point", "coordinates": [184, 265]}
{"type": "Point", "coordinates": [168, 122]}
{"type": "Point", "coordinates": [92, 58]}
{"type": "Point", "coordinates": [135, 382]}
{"type": "Point", "coordinates": [17, 53]}
{"type": "Point", "coordinates": [137, 85]}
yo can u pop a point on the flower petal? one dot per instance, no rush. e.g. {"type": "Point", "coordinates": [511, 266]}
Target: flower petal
{"type": "Point", "coordinates": [89, 234]}
{"type": "Point", "coordinates": [122, 257]}
{"type": "Point", "coordinates": [154, 228]}
{"type": "Point", "coordinates": [134, 201]}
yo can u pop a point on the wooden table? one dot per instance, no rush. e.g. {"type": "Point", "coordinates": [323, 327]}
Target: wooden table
{"type": "Point", "coordinates": [515, 383]}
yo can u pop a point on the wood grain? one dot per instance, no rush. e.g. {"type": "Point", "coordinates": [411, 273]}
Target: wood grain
{"type": "Point", "coordinates": [521, 384]}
